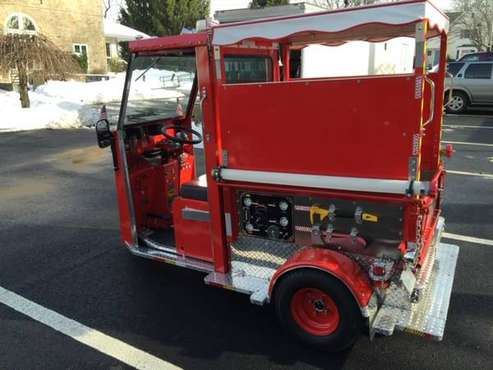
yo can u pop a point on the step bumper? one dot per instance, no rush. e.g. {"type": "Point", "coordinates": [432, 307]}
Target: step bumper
{"type": "Point", "coordinates": [428, 316]}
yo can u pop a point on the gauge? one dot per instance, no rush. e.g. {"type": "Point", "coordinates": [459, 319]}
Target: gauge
{"type": "Point", "coordinates": [273, 232]}
{"type": "Point", "coordinates": [283, 205]}
{"type": "Point", "coordinates": [247, 201]}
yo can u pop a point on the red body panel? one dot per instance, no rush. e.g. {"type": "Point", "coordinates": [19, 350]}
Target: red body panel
{"type": "Point", "coordinates": [154, 188]}
{"type": "Point", "coordinates": [336, 264]}
{"type": "Point", "coordinates": [347, 136]}
{"type": "Point", "coordinates": [193, 238]}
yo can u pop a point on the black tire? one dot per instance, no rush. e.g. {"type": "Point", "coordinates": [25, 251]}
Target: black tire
{"type": "Point", "coordinates": [349, 315]}
{"type": "Point", "coordinates": [458, 104]}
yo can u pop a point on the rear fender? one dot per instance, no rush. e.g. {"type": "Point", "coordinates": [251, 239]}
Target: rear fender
{"type": "Point", "coordinates": [336, 264]}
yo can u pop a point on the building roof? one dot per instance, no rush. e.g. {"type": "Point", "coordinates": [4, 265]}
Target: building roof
{"type": "Point", "coordinates": [238, 15]}
{"type": "Point", "coordinates": [121, 32]}
{"type": "Point", "coordinates": [453, 16]}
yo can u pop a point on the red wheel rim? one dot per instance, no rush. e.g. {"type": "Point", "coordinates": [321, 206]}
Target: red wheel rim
{"type": "Point", "coordinates": [315, 311]}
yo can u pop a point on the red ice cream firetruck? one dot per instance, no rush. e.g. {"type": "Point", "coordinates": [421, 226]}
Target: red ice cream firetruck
{"type": "Point", "coordinates": [321, 195]}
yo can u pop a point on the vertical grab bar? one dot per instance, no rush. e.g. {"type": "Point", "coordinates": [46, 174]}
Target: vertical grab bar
{"type": "Point", "coordinates": [432, 106]}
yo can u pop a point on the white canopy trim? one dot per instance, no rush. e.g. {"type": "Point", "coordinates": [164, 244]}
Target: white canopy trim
{"type": "Point", "coordinates": [374, 20]}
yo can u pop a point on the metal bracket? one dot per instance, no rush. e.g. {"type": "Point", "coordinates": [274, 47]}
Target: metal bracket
{"type": "Point", "coordinates": [420, 44]}
{"type": "Point", "coordinates": [225, 158]}
{"type": "Point", "coordinates": [413, 168]}
{"type": "Point", "coordinates": [216, 174]}
{"type": "Point", "coordinates": [358, 215]}
{"type": "Point", "coordinates": [192, 214]}
{"type": "Point", "coordinates": [217, 58]}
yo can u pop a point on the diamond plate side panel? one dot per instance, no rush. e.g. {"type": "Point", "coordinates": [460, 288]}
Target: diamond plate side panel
{"type": "Point", "coordinates": [429, 315]}
{"type": "Point", "coordinates": [259, 257]}
{"type": "Point", "coordinates": [423, 277]}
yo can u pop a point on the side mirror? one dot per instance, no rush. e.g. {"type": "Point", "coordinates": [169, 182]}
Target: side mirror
{"type": "Point", "coordinates": [103, 133]}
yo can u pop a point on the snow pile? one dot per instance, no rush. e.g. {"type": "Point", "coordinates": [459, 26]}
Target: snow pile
{"type": "Point", "coordinates": [58, 104]}
{"type": "Point", "coordinates": [72, 104]}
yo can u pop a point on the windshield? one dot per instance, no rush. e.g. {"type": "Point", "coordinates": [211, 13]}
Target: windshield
{"type": "Point", "coordinates": [160, 87]}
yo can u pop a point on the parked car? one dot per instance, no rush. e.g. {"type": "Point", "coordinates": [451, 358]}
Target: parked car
{"type": "Point", "coordinates": [470, 83]}
{"type": "Point", "coordinates": [486, 56]}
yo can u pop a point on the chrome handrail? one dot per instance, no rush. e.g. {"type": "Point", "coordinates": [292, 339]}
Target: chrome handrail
{"type": "Point", "coordinates": [432, 107]}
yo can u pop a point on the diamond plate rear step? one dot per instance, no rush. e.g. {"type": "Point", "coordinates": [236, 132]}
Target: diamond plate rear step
{"type": "Point", "coordinates": [428, 316]}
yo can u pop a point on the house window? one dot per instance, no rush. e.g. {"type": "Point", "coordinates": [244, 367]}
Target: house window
{"type": "Point", "coordinates": [20, 23]}
{"type": "Point", "coordinates": [80, 49]}
{"type": "Point", "coordinates": [465, 34]}
{"type": "Point", "coordinates": [108, 50]}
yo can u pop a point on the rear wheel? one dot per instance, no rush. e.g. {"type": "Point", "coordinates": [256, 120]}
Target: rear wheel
{"type": "Point", "coordinates": [458, 103]}
{"type": "Point", "coordinates": [318, 309]}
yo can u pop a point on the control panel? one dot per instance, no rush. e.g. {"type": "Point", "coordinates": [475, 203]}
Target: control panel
{"type": "Point", "coordinates": [266, 216]}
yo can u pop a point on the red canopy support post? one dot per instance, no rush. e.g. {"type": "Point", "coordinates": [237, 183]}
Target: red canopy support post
{"type": "Point", "coordinates": [212, 148]}
{"type": "Point", "coordinates": [286, 52]}
{"type": "Point", "coordinates": [420, 81]}
{"type": "Point", "coordinates": [442, 71]}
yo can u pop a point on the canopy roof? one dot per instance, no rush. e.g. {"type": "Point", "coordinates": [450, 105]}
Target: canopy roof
{"type": "Point", "coordinates": [370, 23]}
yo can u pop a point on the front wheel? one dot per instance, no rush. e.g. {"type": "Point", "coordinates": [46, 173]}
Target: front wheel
{"type": "Point", "coordinates": [318, 309]}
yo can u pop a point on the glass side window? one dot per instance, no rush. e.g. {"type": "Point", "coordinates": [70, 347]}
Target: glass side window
{"type": "Point", "coordinates": [247, 68]}
{"type": "Point", "coordinates": [160, 87]}
{"type": "Point", "coordinates": [454, 68]}
{"type": "Point", "coordinates": [478, 71]}
{"type": "Point", "coordinates": [470, 58]}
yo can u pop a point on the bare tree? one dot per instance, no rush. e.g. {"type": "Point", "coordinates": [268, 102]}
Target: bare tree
{"type": "Point", "coordinates": [477, 20]}
{"type": "Point", "coordinates": [107, 4]}
{"type": "Point", "coordinates": [24, 53]}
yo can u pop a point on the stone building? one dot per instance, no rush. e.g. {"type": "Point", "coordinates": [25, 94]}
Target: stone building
{"type": "Point", "coordinates": [74, 26]}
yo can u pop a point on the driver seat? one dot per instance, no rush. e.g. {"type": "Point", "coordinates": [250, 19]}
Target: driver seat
{"type": "Point", "coordinates": [195, 189]}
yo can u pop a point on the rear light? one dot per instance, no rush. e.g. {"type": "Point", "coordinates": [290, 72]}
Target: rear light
{"type": "Point", "coordinates": [378, 270]}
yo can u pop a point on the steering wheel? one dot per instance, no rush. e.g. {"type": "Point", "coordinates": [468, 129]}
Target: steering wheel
{"type": "Point", "coordinates": [181, 135]}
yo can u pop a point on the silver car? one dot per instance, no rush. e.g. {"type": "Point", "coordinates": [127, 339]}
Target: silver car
{"type": "Point", "coordinates": [471, 83]}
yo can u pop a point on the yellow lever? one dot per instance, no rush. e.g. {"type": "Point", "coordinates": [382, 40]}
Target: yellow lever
{"type": "Point", "coordinates": [368, 217]}
{"type": "Point", "coordinates": [316, 210]}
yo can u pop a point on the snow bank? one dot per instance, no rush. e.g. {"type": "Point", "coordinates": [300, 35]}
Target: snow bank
{"type": "Point", "coordinates": [58, 104]}
{"type": "Point", "coordinates": [72, 104]}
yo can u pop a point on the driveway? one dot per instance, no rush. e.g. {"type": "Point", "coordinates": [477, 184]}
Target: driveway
{"type": "Point", "coordinates": [61, 249]}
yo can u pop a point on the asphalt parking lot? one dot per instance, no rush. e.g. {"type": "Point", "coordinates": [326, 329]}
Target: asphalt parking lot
{"type": "Point", "coordinates": [60, 248]}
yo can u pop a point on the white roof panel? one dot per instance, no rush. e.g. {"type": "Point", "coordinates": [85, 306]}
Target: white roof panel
{"type": "Point", "coordinates": [333, 21]}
